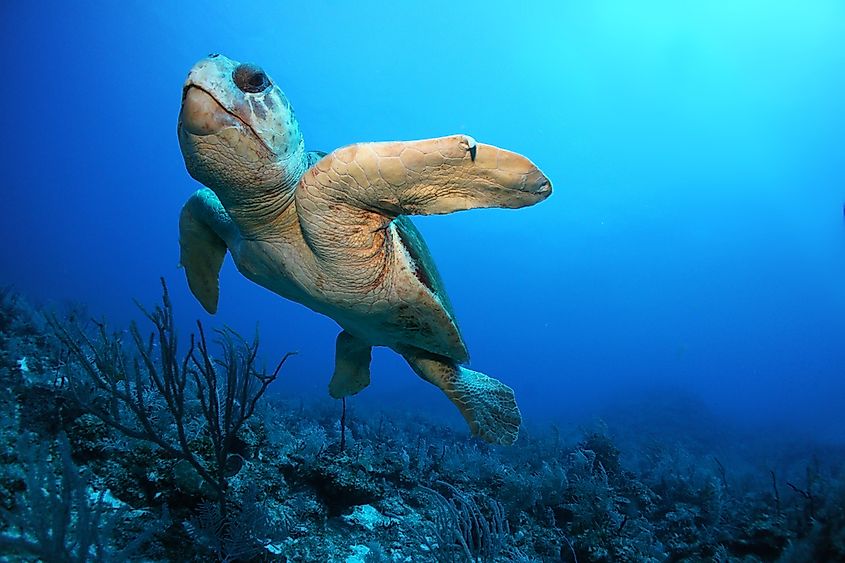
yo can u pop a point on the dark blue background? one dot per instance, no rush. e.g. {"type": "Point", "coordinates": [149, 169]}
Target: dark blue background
{"type": "Point", "coordinates": [694, 241]}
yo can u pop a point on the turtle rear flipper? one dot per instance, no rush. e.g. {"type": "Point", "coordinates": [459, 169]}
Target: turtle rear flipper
{"type": "Point", "coordinates": [352, 366]}
{"type": "Point", "coordinates": [487, 404]}
{"type": "Point", "coordinates": [203, 227]}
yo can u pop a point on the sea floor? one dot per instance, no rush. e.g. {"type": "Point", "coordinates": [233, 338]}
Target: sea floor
{"type": "Point", "coordinates": [100, 464]}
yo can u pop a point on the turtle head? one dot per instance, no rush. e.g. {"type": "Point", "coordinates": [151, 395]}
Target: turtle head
{"type": "Point", "coordinates": [238, 132]}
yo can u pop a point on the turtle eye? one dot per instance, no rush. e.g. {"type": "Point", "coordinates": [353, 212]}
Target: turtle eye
{"type": "Point", "coordinates": [250, 79]}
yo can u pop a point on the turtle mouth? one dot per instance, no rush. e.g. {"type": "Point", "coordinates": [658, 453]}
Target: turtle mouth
{"type": "Point", "coordinates": [202, 114]}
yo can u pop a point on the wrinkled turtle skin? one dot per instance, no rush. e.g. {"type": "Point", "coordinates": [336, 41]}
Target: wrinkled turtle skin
{"type": "Point", "coordinates": [331, 231]}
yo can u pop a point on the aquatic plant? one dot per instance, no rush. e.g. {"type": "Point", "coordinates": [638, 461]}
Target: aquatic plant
{"type": "Point", "coordinates": [25, 347]}
{"type": "Point", "coordinates": [464, 531]}
{"type": "Point", "coordinates": [241, 533]}
{"type": "Point", "coordinates": [227, 390]}
{"type": "Point", "coordinates": [55, 517]}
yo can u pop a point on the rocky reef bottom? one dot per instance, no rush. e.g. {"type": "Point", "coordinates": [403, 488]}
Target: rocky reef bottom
{"type": "Point", "coordinates": [120, 447]}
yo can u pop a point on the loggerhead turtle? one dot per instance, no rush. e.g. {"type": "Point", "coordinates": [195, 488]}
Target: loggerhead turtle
{"type": "Point", "coordinates": [332, 233]}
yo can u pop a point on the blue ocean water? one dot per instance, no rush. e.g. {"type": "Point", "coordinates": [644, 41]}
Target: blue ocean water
{"type": "Point", "coordinates": [694, 244]}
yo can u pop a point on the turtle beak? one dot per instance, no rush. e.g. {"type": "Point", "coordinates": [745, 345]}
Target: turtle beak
{"type": "Point", "coordinates": [201, 114]}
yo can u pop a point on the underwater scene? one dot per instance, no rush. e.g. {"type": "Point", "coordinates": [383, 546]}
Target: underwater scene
{"type": "Point", "coordinates": [354, 282]}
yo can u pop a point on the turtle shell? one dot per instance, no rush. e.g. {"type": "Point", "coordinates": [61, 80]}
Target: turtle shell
{"type": "Point", "coordinates": [447, 339]}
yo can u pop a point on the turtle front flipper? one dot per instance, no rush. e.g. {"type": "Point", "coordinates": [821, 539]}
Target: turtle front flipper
{"type": "Point", "coordinates": [204, 227]}
{"type": "Point", "coordinates": [487, 404]}
{"type": "Point", "coordinates": [431, 176]}
{"type": "Point", "coordinates": [352, 366]}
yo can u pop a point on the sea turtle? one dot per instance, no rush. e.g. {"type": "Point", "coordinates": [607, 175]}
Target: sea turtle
{"type": "Point", "coordinates": [332, 233]}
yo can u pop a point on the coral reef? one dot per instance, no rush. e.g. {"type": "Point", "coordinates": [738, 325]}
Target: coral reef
{"type": "Point", "coordinates": [142, 450]}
